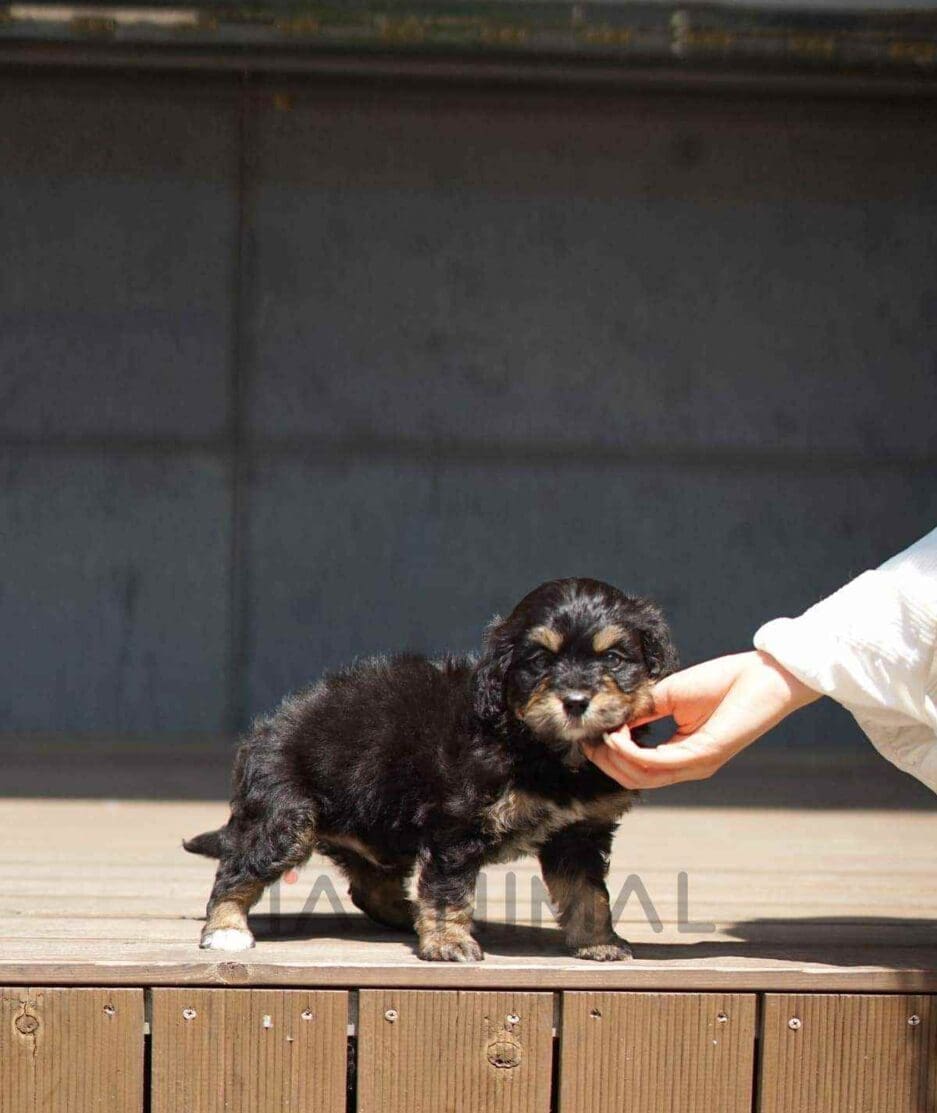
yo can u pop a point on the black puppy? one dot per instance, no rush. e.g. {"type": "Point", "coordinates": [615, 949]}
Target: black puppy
{"type": "Point", "coordinates": [446, 766]}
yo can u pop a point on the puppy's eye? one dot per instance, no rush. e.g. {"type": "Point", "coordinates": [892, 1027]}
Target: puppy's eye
{"type": "Point", "coordinates": [539, 656]}
{"type": "Point", "coordinates": [614, 657]}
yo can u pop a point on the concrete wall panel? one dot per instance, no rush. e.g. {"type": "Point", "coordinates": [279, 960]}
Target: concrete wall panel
{"type": "Point", "coordinates": [117, 226]}
{"type": "Point", "coordinates": [616, 275]}
{"type": "Point", "coordinates": [114, 592]}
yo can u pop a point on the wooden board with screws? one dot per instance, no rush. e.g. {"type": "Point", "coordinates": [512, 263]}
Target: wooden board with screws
{"type": "Point", "coordinates": [216, 1050]}
{"type": "Point", "coordinates": [650, 1051]}
{"type": "Point", "coordinates": [834, 1053]}
{"type": "Point", "coordinates": [461, 1051]}
{"type": "Point", "coordinates": [74, 1050]}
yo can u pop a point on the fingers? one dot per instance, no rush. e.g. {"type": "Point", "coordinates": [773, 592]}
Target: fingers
{"type": "Point", "coordinates": [679, 759]}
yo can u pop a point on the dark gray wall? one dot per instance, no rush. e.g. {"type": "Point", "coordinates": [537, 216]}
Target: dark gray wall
{"type": "Point", "coordinates": [289, 374]}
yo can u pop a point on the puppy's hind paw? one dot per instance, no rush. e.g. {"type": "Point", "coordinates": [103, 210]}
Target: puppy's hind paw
{"type": "Point", "coordinates": [450, 948]}
{"type": "Point", "coordinates": [227, 939]}
{"type": "Point", "coordinates": [617, 951]}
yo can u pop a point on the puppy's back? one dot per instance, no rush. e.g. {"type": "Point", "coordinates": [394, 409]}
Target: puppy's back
{"type": "Point", "coordinates": [385, 736]}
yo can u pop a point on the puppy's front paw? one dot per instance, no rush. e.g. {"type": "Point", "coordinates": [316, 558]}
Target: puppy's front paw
{"type": "Point", "coordinates": [450, 948]}
{"type": "Point", "coordinates": [606, 952]}
{"type": "Point", "coordinates": [227, 939]}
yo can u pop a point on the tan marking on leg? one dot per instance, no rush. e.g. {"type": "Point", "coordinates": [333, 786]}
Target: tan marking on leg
{"type": "Point", "coordinates": [351, 842]}
{"type": "Point", "coordinates": [230, 915]}
{"type": "Point", "coordinates": [444, 932]}
{"type": "Point", "coordinates": [547, 637]}
{"type": "Point", "coordinates": [382, 897]}
{"type": "Point", "coordinates": [583, 912]}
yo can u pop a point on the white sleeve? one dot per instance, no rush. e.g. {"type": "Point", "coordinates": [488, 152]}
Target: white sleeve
{"type": "Point", "coordinates": [872, 646]}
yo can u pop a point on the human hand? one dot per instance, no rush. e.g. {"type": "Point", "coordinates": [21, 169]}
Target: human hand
{"type": "Point", "coordinates": [719, 706]}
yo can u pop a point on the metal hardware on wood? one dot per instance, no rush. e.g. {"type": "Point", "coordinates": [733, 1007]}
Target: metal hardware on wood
{"type": "Point", "coordinates": [391, 1015]}
{"type": "Point", "coordinates": [914, 1020]}
{"type": "Point", "coordinates": [189, 1014]}
{"type": "Point", "coordinates": [794, 1023]}
{"type": "Point", "coordinates": [109, 1010]}
{"type": "Point", "coordinates": [306, 1014]}
{"type": "Point", "coordinates": [722, 1018]}
{"type": "Point", "coordinates": [596, 1014]}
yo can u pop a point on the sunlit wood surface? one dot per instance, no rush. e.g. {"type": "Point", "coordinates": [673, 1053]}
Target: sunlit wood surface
{"type": "Point", "coordinates": [101, 893]}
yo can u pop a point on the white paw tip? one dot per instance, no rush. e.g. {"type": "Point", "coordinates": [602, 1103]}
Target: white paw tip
{"type": "Point", "coordinates": [227, 939]}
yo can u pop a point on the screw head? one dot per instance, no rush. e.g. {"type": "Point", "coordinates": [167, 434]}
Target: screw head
{"type": "Point", "coordinates": [109, 1010]}
{"type": "Point", "coordinates": [26, 1024]}
{"type": "Point", "coordinates": [306, 1014]}
{"type": "Point", "coordinates": [189, 1014]}
{"type": "Point", "coordinates": [596, 1014]}
{"type": "Point", "coordinates": [794, 1023]}
{"type": "Point", "coordinates": [914, 1020]}
{"type": "Point", "coordinates": [722, 1018]}
{"type": "Point", "coordinates": [513, 1018]}
{"type": "Point", "coordinates": [391, 1015]}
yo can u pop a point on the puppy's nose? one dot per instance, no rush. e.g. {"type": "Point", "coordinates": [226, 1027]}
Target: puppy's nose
{"type": "Point", "coordinates": [576, 703]}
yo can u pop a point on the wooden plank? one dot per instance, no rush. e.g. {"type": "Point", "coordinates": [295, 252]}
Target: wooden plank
{"type": "Point", "coordinates": [95, 893]}
{"type": "Point", "coordinates": [646, 1052]}
{"type": "Point", "coordinates": [71, 1050]}
{"type": "Point", "coordinates": [874, 971]}
{"type": "Point", "coordinates": [464, 1052]}
{"type": "Point", "coordinates": [220, 1050]}
{"type": "Point", "coordinates": [826, 1053]}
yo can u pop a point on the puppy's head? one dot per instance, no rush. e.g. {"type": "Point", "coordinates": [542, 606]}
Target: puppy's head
{"type": "Point", "coordinates": [574, 659]}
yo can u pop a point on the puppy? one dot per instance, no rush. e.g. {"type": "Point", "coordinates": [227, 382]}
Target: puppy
{"type": "Point", "coordinates": [442, 767]}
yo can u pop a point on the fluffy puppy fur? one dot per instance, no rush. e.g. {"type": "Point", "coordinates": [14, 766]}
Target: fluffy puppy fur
{"type": "Point", "coordinates": [394, 765]}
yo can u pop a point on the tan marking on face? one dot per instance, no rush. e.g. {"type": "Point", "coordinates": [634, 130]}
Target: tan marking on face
{"type": "Point", "coordinates": [544, 712]}
{"type": "Point", "coordinates": [547, 637]}
{"type": "Point", "coordinates": [642, 701]}
{"type": "Point", "coordinates": [607, 637]}
{"type": "Point", "coordinates": [612, 708]}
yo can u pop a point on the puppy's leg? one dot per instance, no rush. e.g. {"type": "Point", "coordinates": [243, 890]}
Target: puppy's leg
{"type": "Point", "coordinates": [575, 864]}
{"type": "Point", "coordinates": [379, 891]}
{"type": "Point", "coordinates": [445, 899]}
{"type": "Point", "coordinates": [232, 896]}
{"type": "Point", "coordinates": [258, 853]}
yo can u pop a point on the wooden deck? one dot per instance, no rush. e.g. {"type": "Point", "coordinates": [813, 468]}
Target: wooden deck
{"type": "Point", "coordinates": [101, 893]}
{"type": "Point", "coordinates": [786, 960]}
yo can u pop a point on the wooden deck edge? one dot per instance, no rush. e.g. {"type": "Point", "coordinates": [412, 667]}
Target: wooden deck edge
{"type": "Point", "coordinates": [634, 976]}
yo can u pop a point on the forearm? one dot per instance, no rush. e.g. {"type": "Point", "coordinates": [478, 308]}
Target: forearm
{"type": "Point", "coordinates": [872, 646]}
{"type": "Point", "coordinates": [763, 695]}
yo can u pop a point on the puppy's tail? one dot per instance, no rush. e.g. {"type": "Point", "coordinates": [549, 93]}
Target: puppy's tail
{"type": "Point", "coordinates": [211, 843]}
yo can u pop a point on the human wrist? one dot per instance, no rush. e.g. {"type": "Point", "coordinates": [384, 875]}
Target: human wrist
{"type": "Point", "coordinates": [787, 692]}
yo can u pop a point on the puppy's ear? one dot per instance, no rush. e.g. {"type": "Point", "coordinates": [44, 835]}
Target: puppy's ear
{"type": "Point", "coordinates": [656, 643]}
{"type": "Point", "coordinates": [491, 671]}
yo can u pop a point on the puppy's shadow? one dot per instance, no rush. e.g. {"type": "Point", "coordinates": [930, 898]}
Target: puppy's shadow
{"type": "Point", "coordinates": [891, 941]}
{"type": "Point", "coordinates": [896, 942]}
{"type": "Point", "coordinates": [507, 940]}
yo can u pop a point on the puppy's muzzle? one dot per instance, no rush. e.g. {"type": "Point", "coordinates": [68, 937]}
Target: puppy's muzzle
{"type": "Point", "coordinates": [576, 704]}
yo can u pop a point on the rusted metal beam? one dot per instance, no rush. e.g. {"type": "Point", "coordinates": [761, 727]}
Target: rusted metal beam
{"type": "Point", "coordinates": [885, 50]}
